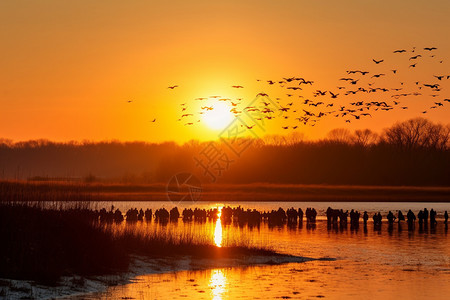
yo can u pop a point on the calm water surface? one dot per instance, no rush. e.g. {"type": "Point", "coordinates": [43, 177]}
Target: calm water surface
{"type": "Point", "coordinates": [386, 264]}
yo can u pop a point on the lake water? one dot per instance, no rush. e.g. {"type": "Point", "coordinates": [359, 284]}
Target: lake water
{"type": "Point", "coordinates": [386, 264]}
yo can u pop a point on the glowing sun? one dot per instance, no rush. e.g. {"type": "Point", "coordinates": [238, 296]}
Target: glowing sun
{"type": "Point", "coordinates": [219, 116]}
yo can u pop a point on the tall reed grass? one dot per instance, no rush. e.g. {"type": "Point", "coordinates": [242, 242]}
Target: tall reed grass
{"type": "Point", "coordinates": [43, 243]}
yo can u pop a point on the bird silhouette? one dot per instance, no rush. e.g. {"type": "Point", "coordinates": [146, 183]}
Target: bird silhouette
{"type": "Point", "coordinates": [357, 71]}
{"type": "Point", "coordinates": [319, 92]}
{"type": "Point", "coordinates": [429, 48]}
{"type": "Point", "coordinates": [303, 81]}
{"type": "Point", "coordinates": [378, 61]}
{"type": "Point", "coordinates": [172, 87]}
{"type": "Point", "coordinates": [333, 95]}
{"type": "Point", "coordinates": [377, 75]}
{"type": "Point", "coordinates": [431, 86]}
{"type": "Point", "coordinates": [237, 86]}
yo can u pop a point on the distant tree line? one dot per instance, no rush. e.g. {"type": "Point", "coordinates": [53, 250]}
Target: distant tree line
{"type": "Point", "coordinates": [414, 152]}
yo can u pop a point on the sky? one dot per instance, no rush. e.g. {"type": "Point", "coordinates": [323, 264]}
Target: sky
{"type": "Point", "coordinates": [68, 69]}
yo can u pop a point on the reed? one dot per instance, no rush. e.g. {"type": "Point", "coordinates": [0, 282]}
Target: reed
{"type": "Point", "coordinates": [42, 244]}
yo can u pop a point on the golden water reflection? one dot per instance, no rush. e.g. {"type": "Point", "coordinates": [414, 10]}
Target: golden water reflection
{"type": "Point", "coordinates": [218, 229]}
{"type": "Point", "coordinates": [218, 284]}
{"type": "Point", "coordinates": [388, 265]}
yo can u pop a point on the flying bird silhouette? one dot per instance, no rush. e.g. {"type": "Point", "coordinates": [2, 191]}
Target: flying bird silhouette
{"type": "Point", "coordinates": [333, 95]}
{"type": "Point", "coordinates": [377, 75]}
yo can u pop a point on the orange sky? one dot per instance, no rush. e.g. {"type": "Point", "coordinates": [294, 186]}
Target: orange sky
{"type": "Point", "coordinates": [68, 68]}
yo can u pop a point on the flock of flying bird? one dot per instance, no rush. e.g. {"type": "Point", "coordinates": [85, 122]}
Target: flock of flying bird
{"type": "Point", "coordinates": [345, 101]}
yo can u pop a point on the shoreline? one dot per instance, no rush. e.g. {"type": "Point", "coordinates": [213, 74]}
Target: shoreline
{"type": "Point", "coordinates": [82, 286]}
{"type": "Point", "coordinates": [255, 192]}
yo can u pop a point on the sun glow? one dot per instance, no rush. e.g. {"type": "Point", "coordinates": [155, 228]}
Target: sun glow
{"type": "Point", "coordinates": [218, 284]}
{"type": "Point", "coordinates": [218, 229]}
{"type": "Point", "coordinates": [218, 115]}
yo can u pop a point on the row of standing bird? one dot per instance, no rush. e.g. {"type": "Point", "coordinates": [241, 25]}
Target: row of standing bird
{"type": "Point", "coordinates": [274, 217]}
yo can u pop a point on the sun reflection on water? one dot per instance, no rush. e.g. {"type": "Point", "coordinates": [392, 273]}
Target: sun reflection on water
{"type": "Point", "coordinates": [217, 284]}
{"type": "Point", "coordinates": [218, 229]}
